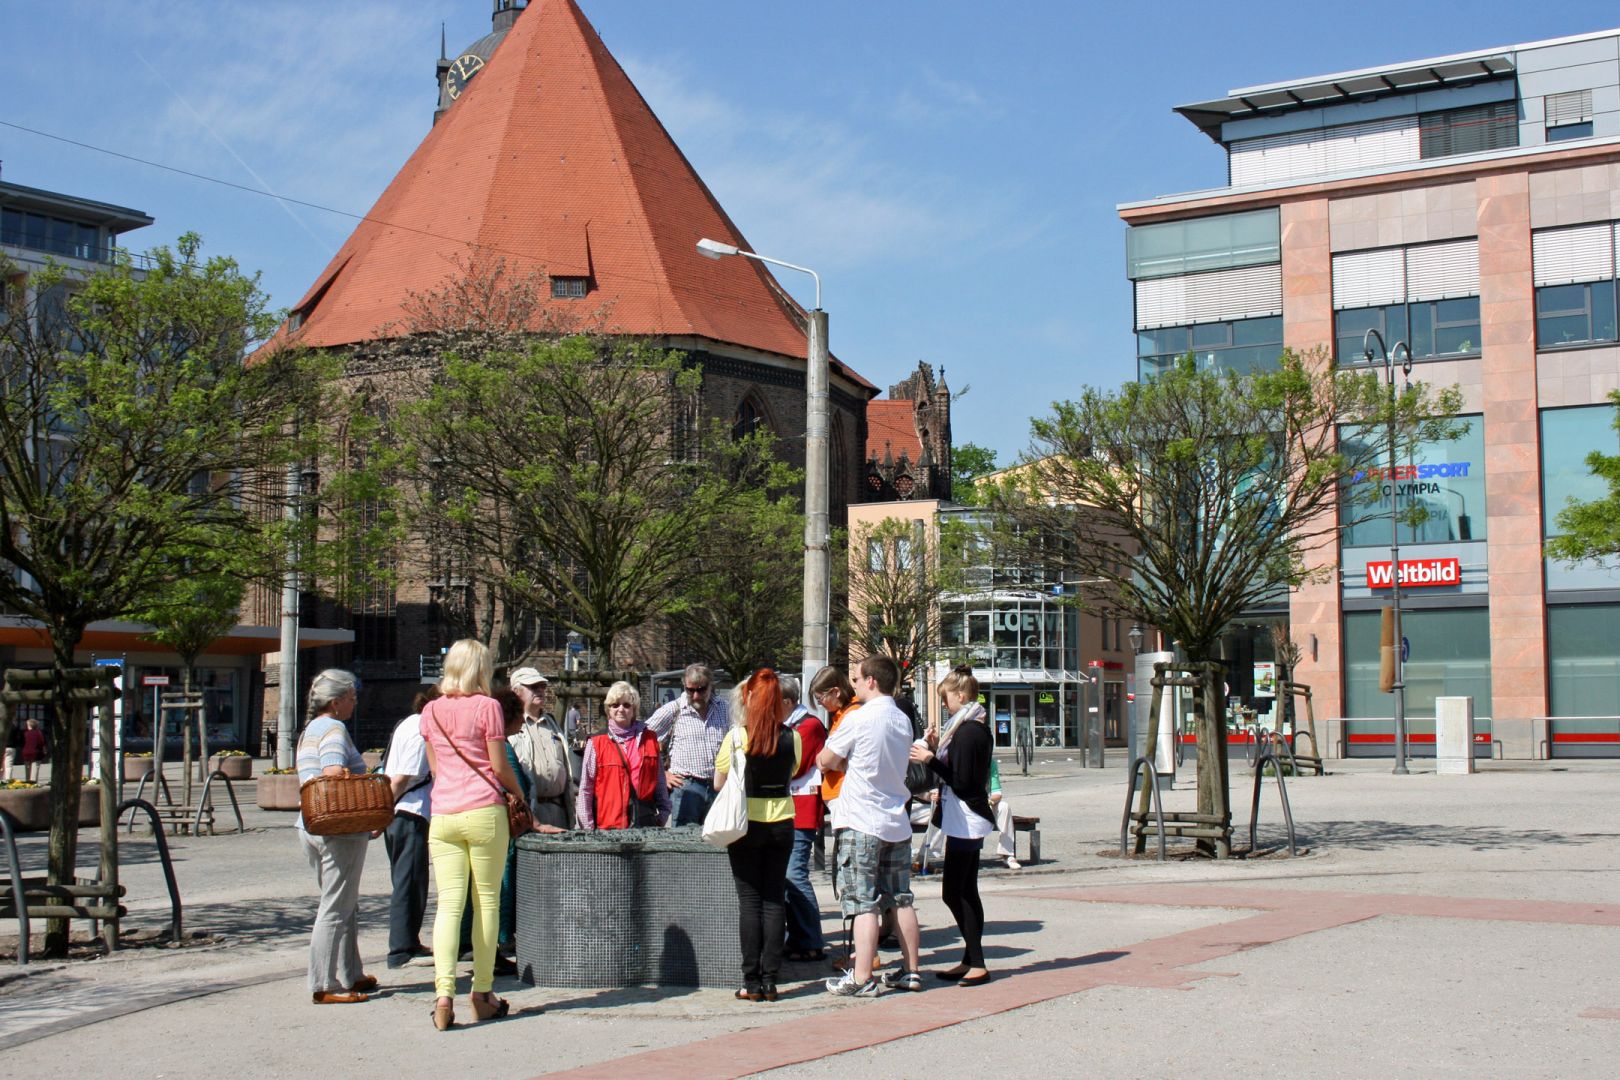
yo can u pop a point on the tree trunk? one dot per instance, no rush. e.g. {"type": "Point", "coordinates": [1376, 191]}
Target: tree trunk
{"type": "Point", "coordinates": [1209, 709]}
{"type": "Point", "coordinates": [67, 756]}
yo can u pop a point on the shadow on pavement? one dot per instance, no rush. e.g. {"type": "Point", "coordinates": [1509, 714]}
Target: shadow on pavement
{"type": "Point", "coordinates": [1375, 835]}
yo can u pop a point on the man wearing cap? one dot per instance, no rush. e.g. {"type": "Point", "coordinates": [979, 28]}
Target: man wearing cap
{"type": "Point", "coordinates": [542, 752]}
{"type": "Point", "coordinates": [690, 729]}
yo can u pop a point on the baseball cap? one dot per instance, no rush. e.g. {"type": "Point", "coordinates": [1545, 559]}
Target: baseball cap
{"type": "Point", "coordinates": [526, 676]}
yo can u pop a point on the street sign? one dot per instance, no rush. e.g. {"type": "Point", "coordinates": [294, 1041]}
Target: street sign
{"type": "Point", "coordinates": [154, 680]}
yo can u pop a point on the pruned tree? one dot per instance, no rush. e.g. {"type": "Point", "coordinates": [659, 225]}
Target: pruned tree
{"type": "Point", "coordinates": [135, 446]}
{"type": "Point", "coordinates": [1197, 495]}
{"type": "Point", "coordinates": [1591, 529]}
{"type": "Point", "coordinates": [896, 573]}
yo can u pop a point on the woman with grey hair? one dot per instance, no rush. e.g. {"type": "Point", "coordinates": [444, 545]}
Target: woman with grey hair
{"type": "Point", "coordinates": [621, 781]}
{"type": "Point", "coordinates": [325, 749]}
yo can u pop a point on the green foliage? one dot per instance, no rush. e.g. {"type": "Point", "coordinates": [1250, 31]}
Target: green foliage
{"type": "Point", "coordinates": [968, 463]}
{"type": "Point", "coordinates": [1591, 530]}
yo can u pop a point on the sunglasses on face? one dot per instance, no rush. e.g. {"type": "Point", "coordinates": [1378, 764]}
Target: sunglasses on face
{"type": "Point", "coordinates": [697, 689]}
{"type": "Point", "coordinates": [622, 705]}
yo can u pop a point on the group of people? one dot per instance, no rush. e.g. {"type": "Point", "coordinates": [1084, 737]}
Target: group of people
{"type": "Point", "coordinates": [452, 763]}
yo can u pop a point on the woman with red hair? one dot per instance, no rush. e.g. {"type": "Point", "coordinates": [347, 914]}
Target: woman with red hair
{"type": "Point", "coordinates": [759, 859]}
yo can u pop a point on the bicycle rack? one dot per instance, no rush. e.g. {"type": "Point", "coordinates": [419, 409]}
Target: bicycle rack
{"type": "Point", "coordinates": [160, 784]}
{"type": "Point", "coordinates": [16, 888]}
{"type": "Point", "coordinates": [203, 803]}
{"type": "Point", "coordinates": [1254, 804]}
{"type": "Point", "coordinates": [1158, 804]}
{"type": "Point", "coordinates": [162, 842]}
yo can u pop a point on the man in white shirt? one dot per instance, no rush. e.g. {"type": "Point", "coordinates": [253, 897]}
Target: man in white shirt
{"type": "Point", "coordinates": [407, 835]}
{"type": "Point", "coordinates": [871, 746]}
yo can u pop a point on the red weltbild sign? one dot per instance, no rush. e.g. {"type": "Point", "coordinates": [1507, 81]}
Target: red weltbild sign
{"type": "Point", "coordinates": [1416, 573]}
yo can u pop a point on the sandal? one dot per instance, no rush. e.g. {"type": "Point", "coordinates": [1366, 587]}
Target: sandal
{"type": "Point", "coordinates": [806, 956]}
{"type": "Point", "coordinates": [491, 1007]}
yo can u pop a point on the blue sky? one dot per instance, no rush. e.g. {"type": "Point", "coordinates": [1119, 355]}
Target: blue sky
{"type": "Point", "coordinates": [950, 168]}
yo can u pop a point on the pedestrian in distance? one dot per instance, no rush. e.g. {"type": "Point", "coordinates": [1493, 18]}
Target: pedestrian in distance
{"type": "Point", "coordinates": [326, 749]}
{"type": "Point", "coordinates": [621, 781]}
{"type": "Point", "coordinates": [35, 749]}
{"type": "Point", "coordinates": [759, 859]}
{"type": "Point", "coordinates": [468, 836]}
{"type": "Point", "coordinates": [872, 746]}
{"type": "Point", "coordinates": [406, 837]}
{"type": "Point", "coordinates": [961, 762]}
{"type": "Point", "coordinates": [690, 729]}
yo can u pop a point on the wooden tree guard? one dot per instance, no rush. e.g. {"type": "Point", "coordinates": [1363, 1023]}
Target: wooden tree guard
{"type": "Point", "coordinates": [1216, 827]}
{"type": "Point", "coordinates": [95, 898]}
{"type": "Point", "coordinates": [1289, 690]}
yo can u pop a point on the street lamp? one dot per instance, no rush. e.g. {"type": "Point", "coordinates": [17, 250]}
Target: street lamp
{"type": "Point", "coordinates": [1136, 638]}
{"type": "Point", "coordinates": [816, 488]}
{"type": "Point", "coordinates": [1399, 685]}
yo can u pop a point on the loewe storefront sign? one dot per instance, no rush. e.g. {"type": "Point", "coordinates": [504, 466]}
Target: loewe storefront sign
{"type": "Point", "coordinates": [1416, 573]}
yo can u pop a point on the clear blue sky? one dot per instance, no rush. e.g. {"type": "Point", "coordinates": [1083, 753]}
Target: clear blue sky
{"type": "Point", "coordinates": [950, 168]}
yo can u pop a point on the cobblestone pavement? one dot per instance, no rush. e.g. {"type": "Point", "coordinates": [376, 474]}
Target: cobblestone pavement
{"type": "Point", "coordinates": [1437, 926]}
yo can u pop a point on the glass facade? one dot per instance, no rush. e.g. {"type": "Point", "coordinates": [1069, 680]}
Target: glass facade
{"type": "Point", "coordinates": [1210, 243]}
{"type": "Point", "coordinates": [1583, 663]}
{"type": "Point", "coordinates": [1450, 657]}
{"type": "Point", "coordinates": [1432, 329]}
{"type": "Point", "coordinates": [1447, 479]}
{"type": "Point", "coordinates": [1473, 130]}
{"type": "Point", "coordinates": [58, 236]}
{"type": "Point", "coordinates": [1035, 635]}
{"type": "Point", "coordinates": [1567, 437]}
{"type": "Point", "coordinates": [1241, 346]}
{"type": "Point", "coordinates": [222, 708]}
{"type": "Point", "coordinates": [1581, 314]}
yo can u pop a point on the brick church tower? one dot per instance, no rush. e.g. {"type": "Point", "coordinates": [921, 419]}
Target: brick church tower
{"type": "Point", "coordinates": [544, 155]}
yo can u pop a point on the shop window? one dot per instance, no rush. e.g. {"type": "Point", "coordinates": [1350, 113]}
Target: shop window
{"type": "Point", "coordinates": [1583, 660]}
{"type": "Point", "coordinates": [1450, 657]}
{"type": "Point", "coordinates": [1567, 437]}
{"type": "Point", "coordinates": [1446, 479]}
{"type": "Point", "coordinates": [1579, 314]}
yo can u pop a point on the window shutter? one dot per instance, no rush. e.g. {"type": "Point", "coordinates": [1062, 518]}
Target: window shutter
{"type": "Point", "coordinates": [1573, 107]}
{"type": "Point", "coordinates": [1250, 292]}
{"type": "Point", "coordinates": [1369, 278]}
{"type": "Point", "coordinates": [1442, 271]}
{"type": "Point", "coordinates": [1566, 256]}
{"type": "Point", "coordinates": [1314, 153]}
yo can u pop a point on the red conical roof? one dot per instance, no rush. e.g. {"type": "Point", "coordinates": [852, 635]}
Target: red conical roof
{"type": "Point", "coordinates": [552, 155]}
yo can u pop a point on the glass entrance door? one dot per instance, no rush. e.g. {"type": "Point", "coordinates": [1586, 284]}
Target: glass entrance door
{"type": "Point", "coordinates": [1012, 711]}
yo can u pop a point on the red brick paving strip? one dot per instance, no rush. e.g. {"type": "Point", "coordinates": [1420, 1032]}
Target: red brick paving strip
{"type": "Point", "coordinates": [1152, 964]}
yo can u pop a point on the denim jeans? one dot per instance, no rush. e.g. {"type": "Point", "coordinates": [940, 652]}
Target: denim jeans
{"type": "Point", "coordinates": [803, 912]}
{"type": "Point", "coordinates": [407, 840]}
{"type": "Point", "coordinates": [689, 803]}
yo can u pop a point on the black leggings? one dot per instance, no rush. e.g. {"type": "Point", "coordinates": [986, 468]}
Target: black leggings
{"type": "Point", "coordinates": [961, 889]}
{"type": "Point", "coordinates": [759, 863]}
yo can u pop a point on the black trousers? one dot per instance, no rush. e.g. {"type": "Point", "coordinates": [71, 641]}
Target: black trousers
{"type": "Point", "coordinates": [961, 893]}
{"type": "Point", "coordinates": [759, 862]}
{"type": "Point", "coordinates": [407, 839]}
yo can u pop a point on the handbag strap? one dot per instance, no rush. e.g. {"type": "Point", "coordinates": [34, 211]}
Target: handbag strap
{"type": "Point", "coordinates": [490, 780]}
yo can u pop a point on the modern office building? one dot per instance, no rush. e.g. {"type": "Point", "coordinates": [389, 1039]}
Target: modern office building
{"type": "Point", "coordinates": [1466, 207]}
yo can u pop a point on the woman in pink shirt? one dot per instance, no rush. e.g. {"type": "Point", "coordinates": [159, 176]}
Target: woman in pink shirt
{"type": "Point", "coordinates": [466, 749]}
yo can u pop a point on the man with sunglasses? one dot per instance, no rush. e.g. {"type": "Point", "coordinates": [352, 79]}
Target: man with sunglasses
{"type": "Point", "coordinates": [690, 729]}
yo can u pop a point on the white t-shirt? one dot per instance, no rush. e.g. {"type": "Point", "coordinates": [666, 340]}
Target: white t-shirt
{"type": "Point", "coordinates": [407, 756]}
{"type": "Point", "coordinates": [958, 821]}
{"type": "Point", "coordinates": [875, 740]}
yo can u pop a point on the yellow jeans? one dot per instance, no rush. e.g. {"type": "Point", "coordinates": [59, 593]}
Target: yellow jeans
{"type": "Point", "coordinates": [476, 841]}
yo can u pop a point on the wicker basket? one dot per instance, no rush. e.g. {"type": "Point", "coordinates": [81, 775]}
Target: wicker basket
{"type": "Point", "coordinates": [338, 805]}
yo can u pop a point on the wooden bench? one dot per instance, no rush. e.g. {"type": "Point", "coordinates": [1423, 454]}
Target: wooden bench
{"type": "Point", "coordinates": [1031, 825]}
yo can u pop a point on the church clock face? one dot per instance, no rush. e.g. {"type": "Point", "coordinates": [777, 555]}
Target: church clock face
{"type": "Point", "coordinates": [461, 73]}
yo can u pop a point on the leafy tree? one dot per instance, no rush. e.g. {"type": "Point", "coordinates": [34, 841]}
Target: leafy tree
{"type": "Point", "coordinates": [969, 462]}
{"type": "Point", "coordinates": [135, 445]}
{"type": "Point", "coordinates": [1198, 495]}
{"type": "Point", "coordinates": [1591, 530]}
{"type": "Point", "coordinates": [896, 574]}
{"type": "Point", "coordinates": [738, 605]}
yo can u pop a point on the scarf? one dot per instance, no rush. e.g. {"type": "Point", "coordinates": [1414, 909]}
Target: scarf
{"type": "Point", "coordinates": [628, 738]}
{"type": "Point", "coordinates": [972, 711]}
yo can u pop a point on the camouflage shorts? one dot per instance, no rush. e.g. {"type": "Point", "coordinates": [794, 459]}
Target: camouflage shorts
{"type": "Point", "coordinates": [872, 874]}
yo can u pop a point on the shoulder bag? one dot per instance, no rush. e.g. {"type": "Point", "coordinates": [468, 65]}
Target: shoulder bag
{"type": "Point", "coordinates": [519, 820]}
{"type": "Point", "coordinates": [727, 820]}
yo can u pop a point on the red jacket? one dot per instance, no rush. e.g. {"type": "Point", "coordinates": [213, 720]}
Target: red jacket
{"type": "Point", "coordinates": [807, 806]}
{"type": "Point", "coordinates": [613, 780]}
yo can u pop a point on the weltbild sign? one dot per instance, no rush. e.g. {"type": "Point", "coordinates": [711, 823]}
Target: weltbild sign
{"type": "Point", "coordinates": [1416, 573]}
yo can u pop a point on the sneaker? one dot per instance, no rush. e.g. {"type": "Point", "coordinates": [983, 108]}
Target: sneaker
{"type": "Point", "coordinates": [1014, 864]}
{"type": "Point", "coordinates": [846, 986]}
{"type": "Point", "coordinates": [902, 980]}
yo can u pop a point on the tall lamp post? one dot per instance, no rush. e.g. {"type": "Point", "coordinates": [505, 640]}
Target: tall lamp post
{"type": "Point", "coordinates": [816, 488]}
{"type": "Point", "coordinates": [1399, 686]}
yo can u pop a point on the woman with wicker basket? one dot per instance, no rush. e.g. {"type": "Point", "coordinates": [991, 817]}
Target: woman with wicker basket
{"type": "Point", "coordinates": [466, 747]}
{"type": "Point", "coordinates": [325, 749]}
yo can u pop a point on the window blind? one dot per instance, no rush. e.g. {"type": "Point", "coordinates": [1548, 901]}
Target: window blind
{"type": "Point", "coordinates": [1573, 107]}
{"type": "Point", "coordinates": [1250, 292]}
{"type": "Point", "coordinates": [1567, 256]}
{"type": "Point", "coordinates": [1369, 278]}
{"type": "Point", "coordinates": [1442, 271]}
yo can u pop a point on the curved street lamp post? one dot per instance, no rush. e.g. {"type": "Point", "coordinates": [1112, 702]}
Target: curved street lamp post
{"type": "Point", "coordinates": [1399, 686]}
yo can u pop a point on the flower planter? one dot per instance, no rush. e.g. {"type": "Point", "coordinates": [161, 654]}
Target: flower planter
{"type": "Point", "coordinates": [28, 807]}
{"type": "Point", "coordinates": [90, 804]}
{"type": "Point", "coordinates": [234, 767]}
{"type": "Point", "coordinates": [278, 792]}
{"type": "Point", "coordinates": [136, 769]}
